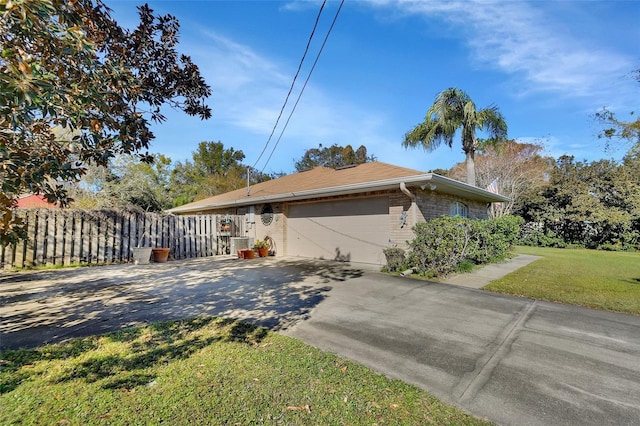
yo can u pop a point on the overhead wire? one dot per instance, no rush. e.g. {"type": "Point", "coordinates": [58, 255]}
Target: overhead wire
{"type": "Point", "coordinates": [305, 84]}
{"type": "Point", "coordinates": [304, 55]}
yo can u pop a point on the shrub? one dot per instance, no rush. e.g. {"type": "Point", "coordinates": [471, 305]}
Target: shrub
{"type": "Point", "coordinates": [494, 238]}
{"type": "Point", "coordinates": [533, 234]}
{"type": "Point", "coordinates": [448, 244]}
{"type": "Point", "coordinates": [396, 259]}
{"type": "Point", "coordinates": [439, 245]}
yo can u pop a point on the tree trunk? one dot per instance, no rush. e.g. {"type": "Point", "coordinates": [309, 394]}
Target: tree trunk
{"type": "Point", "coordinates": [471, 167]}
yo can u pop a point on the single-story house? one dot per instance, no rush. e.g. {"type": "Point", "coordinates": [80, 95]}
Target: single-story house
{"type": "Point", "coordinates": [351, 213]}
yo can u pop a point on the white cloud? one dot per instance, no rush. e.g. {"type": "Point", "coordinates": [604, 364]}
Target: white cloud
{"type": "Point", "coordinates": [555, 147]}
{"type": "Point", "coordinates": [301, 5]}
{"type": "Point", "coordinates": [247, 86]}
{"type": "Point", "coordinates": [527, 41]}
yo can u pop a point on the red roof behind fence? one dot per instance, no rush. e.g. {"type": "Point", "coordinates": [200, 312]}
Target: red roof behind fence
{"type": "Point", "coordinates": [34, 201]}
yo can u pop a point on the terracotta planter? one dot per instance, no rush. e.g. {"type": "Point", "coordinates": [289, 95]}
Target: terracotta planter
{"type": "Point", "coordinates": [248, 254]}
{"type": "Point", "coordinates": [263, 252]}
{"type": "Point", "coordinates": [160, 254]}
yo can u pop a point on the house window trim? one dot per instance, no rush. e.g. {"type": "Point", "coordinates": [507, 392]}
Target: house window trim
{"type": "Point", "coordinates": [458, 209]}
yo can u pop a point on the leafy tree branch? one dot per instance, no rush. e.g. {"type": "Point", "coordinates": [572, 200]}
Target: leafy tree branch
{"type": "Point", "coordinates": [68, 65]}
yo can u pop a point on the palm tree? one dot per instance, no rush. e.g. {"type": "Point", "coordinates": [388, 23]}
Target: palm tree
{"type": "Point", "coordinates": [453, 109]}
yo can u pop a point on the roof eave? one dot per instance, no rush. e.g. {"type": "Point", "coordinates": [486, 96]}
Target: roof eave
{"type": "Point", "coordinates": [447, 185]}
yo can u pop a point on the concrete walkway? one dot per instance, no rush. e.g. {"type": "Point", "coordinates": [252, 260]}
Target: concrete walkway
{"type": "Point", "coordinates": [484, 275]}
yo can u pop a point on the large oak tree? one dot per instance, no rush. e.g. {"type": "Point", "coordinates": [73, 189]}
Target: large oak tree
{"type": "Point", "coordinates": [68, 65]}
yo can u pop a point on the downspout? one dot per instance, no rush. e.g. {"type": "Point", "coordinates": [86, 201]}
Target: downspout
{"type": "Point", "coordinates": [414, 207]}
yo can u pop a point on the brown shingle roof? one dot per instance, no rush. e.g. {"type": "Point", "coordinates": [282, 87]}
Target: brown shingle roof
{"type": "Point", "coordinates": [323, 182]}
{"type": "Point", "coordinates": [317, 178]}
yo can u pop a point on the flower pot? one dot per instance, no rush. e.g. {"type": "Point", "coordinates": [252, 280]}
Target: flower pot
{"type": "Point", "coordinates": [248, 254]}
{"type": "Point", "coordinates": [160, 254]}
{"type": "Point", "coordinates": [141, 255]}
{"type": "Point", "coordinates": [263, 251]}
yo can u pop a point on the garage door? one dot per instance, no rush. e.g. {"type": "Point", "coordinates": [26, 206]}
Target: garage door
{"type": "Point", "coordinates": [348, 230]}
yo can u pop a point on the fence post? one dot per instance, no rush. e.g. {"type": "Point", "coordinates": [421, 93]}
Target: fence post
{"type": "Point", "coordinates": [40, 241]}
{"type": "Point", "coordinates": [32, 226]}
{"type": "Point", "coordinates": [58, 237]}
{"type": "Point", "coordinates": [77, 237]}
{"type": "Point", "coordinates": [127, 236]}
{"type": "Point", "coordinates": [20, 247]}
{"type": "Point", "coordinates": [117, 236]}
{"type": "Point", "coordinates": [197, 237]}
{"type": "Point", "coordinates": [69, 240]}
{"type": "Point", "coordinates": [3, 264]}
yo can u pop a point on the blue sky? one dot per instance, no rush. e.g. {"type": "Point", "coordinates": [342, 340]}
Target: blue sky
{"type": "Point", "coordinates": [548, 65]}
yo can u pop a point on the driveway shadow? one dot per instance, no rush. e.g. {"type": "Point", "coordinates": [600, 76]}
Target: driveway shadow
{"type": "Point", "coordinates": [50, 306]}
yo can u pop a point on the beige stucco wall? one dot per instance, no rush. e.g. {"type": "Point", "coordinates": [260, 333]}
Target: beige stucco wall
{"type": "Point", "coordinates": [275, 229]}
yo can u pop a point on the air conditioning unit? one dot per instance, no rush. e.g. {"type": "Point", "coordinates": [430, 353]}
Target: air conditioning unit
{"type": "Point", "coordinates": [239, 243]}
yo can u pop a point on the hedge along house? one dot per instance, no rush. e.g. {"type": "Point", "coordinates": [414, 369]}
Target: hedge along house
{"type": "Point", "coordinates": [347, 214]}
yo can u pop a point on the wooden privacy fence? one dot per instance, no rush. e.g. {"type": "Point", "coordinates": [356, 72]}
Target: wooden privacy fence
{"type": "Point", "coordinates": [62, 237]}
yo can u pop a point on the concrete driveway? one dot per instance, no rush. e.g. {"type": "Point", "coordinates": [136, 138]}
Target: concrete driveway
{"type": "Point", "coordinates": [49, 306]}
{"type": "Point", "coordinates": [512, 360]}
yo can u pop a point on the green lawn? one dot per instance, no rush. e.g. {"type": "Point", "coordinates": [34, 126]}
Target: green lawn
{"type": "Point", "coordinates": [204, 371]}
{"type": "Point", "coordinates": [597, 279]}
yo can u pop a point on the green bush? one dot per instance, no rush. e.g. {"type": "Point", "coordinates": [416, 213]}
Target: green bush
{"type": "Point", "coordinates": [396, 259]}
{"type": "Point", "coordinates": [601, 235]}
{"type": "Point", "coordinates": [531, 235]}
{"type": "Point", "coordinates": [439, 245]}
{"type": "Point", "coordinates": [449, 244]}
{"type": "Point", "coordinates": [494, 238]}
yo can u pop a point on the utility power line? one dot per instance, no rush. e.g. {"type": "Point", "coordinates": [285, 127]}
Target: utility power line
{"type": "Point", "coordinates": [305, 85]}
{"type": "Point", "coordinates": [304, 55]}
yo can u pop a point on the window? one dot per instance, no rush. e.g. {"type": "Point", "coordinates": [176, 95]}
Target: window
{"type": "Point", "coordinates": [458, 209]}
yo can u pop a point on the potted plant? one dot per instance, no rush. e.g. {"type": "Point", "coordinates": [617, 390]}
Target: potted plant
{"type": "Point", "coordinates": [395, 258]}
{"type": "Point", "coordinates": [262, 247]}
{"type": "Point", "coordinates": [225, 225]}
{"type": "Point", "coordinates": [246, 254]}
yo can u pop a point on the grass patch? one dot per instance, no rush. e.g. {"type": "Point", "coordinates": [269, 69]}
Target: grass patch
{"type": "Point", "coordinates": [596, 279]}
{"type": "Point", "coordinates": [204, 371]}
{"type": "Point", "coordinates": [56, 266]}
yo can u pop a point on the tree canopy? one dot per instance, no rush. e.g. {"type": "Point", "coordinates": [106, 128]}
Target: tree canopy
{"type": "Point", "coordinates": [213, 170]}
{"type": "Point", "coordinates": [615, 128]}
{"type": "Point", "coordinates": [517, 169]}
{"type": "Point", "coordinates": [593, 204]}
{"type": "Point", "coordinates": [334, 156]}
{"type": "Point", "coordinates": [68, 65]}
{"type": "Point", "coordinates": [451, 111]}
{"type": "Point", "coordinates": [127, 182]}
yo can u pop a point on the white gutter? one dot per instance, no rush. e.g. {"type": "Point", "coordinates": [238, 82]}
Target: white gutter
{"type": "Point", "coordinates": [444, 184]}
